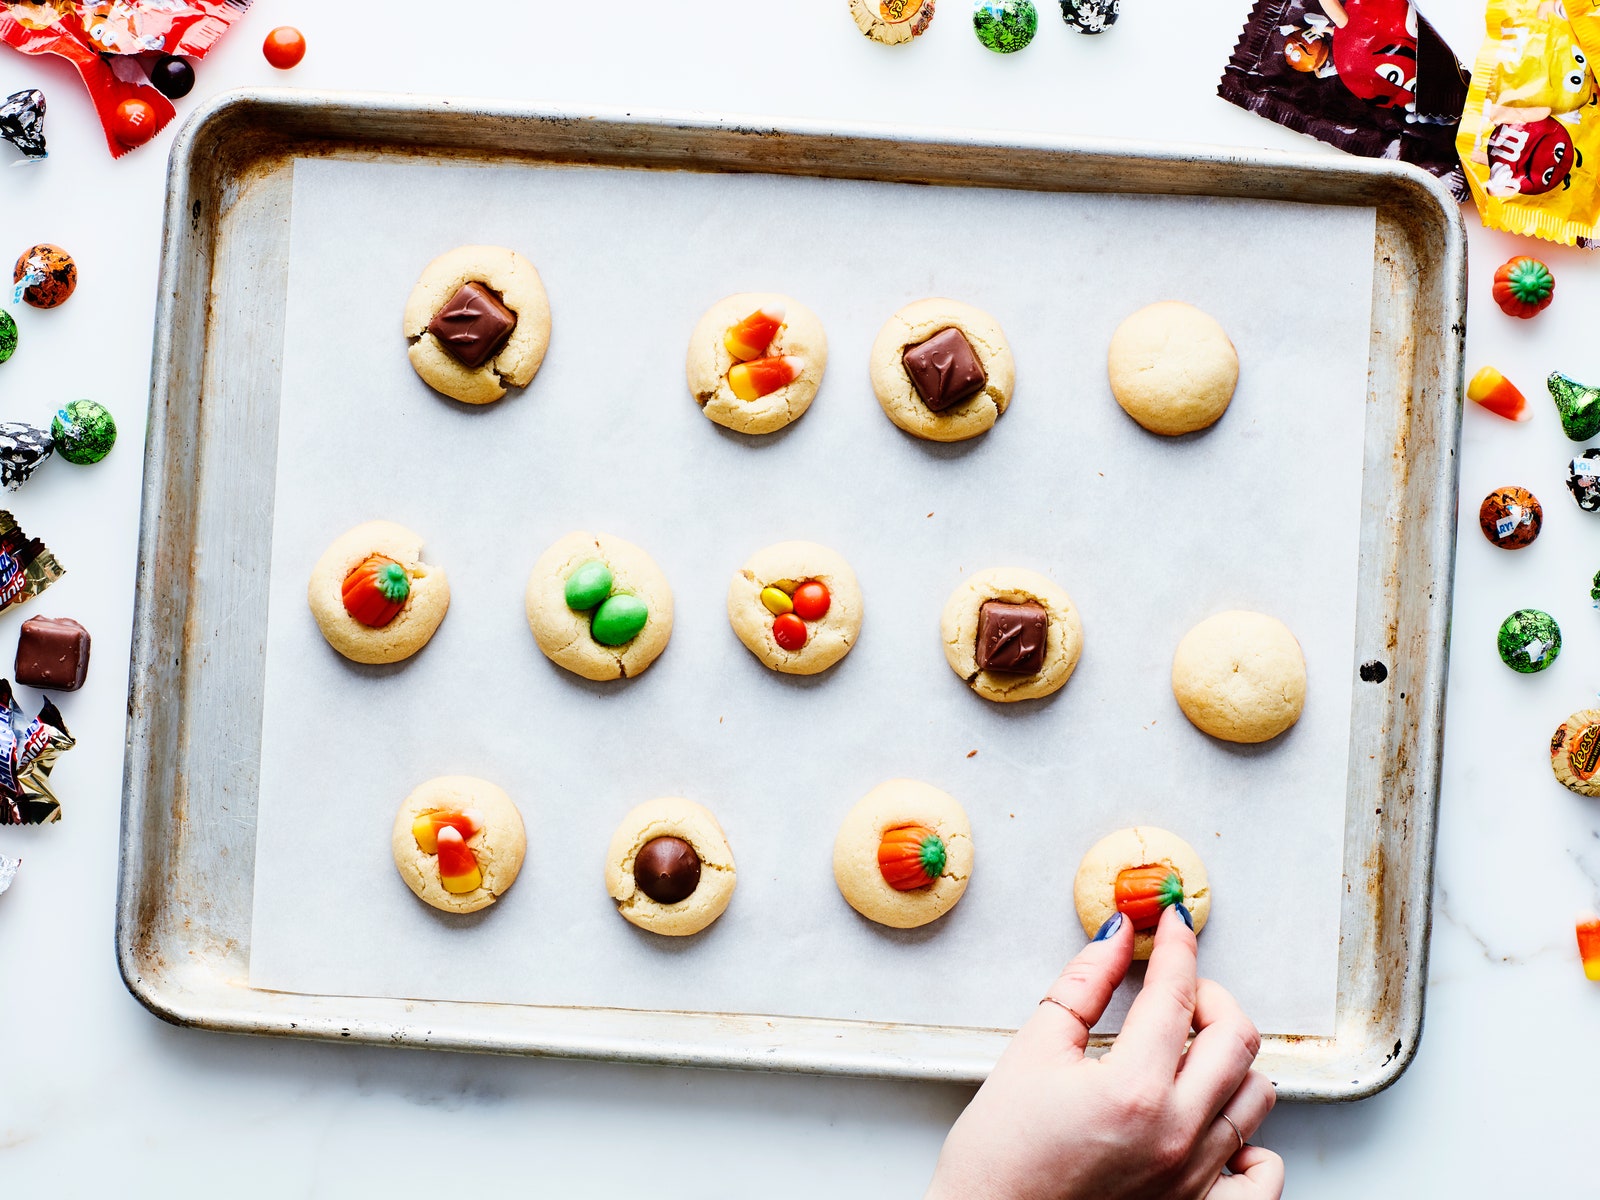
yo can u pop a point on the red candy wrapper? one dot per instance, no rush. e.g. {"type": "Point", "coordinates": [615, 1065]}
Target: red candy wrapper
{"type": "Point", "coordinates": [26, 565]}
{"type": "Point", "coordinates": [28, 753]}
{"type": "Point", "coordinates": [1368, 76]}
{"type": "Point", "coordinates": [102, 39]}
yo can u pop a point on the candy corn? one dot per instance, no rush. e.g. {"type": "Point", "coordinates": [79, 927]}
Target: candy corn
{"type": "Point", "coordinates": [763, 376]}
{"type": "Point", "coordinates": [751, 336]}
{"type": "Point", "coordinates": [458, 868]}
{"type": "Point", "coordinates": [1497, 393]}
{"type": "Point", "coordinates": [1589, 947]}
{"type": "Point", "coordinates": [1142, 892]}
{"type": "Point", "coordinates": [426, 827]}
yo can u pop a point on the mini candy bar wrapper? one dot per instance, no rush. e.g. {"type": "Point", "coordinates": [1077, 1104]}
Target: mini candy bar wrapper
{"type": "Point", "coordinates": [100, 38]}
{"type": "Point", "coordinates": [22, 449]}
{"type": "Point", "coordinates": [26, 565]}
{"type": "Point", "coordinates": [22, 124]}
{"type": "Point", "coordinates": [1530, 135]}
{"type": "Point", "coordinates": [1368, 76]}
{"type": "Point", "coordinates": [8, 871]}
{"type": "Point", "coordinates": [28, 753]}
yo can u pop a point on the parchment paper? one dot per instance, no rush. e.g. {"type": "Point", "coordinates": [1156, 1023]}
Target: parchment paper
{"type": "Point", "coordinates": [1150, 535]}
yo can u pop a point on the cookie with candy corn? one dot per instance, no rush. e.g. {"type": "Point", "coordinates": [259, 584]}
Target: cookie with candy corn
{"type": "Point", "coordinates": [458, 843]}
{"type": "Point", "coordinates": [756, 360]}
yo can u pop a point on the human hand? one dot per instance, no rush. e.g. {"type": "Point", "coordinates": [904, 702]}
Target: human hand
{"type": "Point", "coordinates": [1144, 1122]}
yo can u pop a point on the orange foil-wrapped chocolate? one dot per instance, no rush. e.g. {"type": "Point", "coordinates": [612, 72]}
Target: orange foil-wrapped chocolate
{"type": "Point", "coordinates": [112, 42]}
{"type": "Point", "coordinates": [1530, 135]}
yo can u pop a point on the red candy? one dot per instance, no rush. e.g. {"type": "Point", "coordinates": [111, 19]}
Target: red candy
{"type": "Point", "coordinates": [789, 631]}
{"type": "Point", "coordinates": [285, 47]}
{"type": "Point", "coordinates": [135, 122]}
{"type": "Point", "coordinates": [811, 601]}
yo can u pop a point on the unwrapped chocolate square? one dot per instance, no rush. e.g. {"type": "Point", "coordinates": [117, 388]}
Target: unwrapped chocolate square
{"type": "Point", "coordinates": [1011, 637]}
{"type": "Point", "coordinates": [944, 369]}
{"type": "Point", "coordinates": [52, 653]}
{"type": "Point", "coordinates": [473, 325]}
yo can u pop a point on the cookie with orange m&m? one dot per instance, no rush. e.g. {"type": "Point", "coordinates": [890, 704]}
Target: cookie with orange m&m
{"type": "Point", "coordinates": [1575, 752]}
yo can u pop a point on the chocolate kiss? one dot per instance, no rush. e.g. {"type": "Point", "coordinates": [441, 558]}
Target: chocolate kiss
{"type": "Point", "coordinates": [1578, 404]}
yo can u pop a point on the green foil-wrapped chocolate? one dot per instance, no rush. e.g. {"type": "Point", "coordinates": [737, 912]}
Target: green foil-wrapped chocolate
{"type": "Point", "coordinates": [1005, 26]}
{"type": "Point", "coordinates": [1578, 404]}
{"type": "Point", "coordinates": [8, 335]}
{"type": "Point", "coordinates": [1529, 640]}
{"type": "Point", "coordinates": [84, 432]}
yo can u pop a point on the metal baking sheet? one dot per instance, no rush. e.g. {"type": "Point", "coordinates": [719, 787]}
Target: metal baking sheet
{"type": "Point", "coordinates": [195, 713]}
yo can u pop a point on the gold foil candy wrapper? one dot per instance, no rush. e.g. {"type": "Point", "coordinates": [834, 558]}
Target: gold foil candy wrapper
{"type": "Point", "coordinates": [26, 565]}
{"type": "Point", "coordinates": [28, 753]}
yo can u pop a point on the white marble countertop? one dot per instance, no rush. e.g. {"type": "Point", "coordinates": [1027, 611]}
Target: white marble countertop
{"type": "Point", "coordinates": [95, 1094]}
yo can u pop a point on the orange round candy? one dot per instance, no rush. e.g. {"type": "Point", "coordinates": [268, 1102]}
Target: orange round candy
{"type": "Point", "coordinates": [135, 122]}
{"type": "Point", "coordinates": [811, 600]}
{"type": "Point", "coordinates": [789, 631]}
{"type": "Point", "coordinates": [285, 47]}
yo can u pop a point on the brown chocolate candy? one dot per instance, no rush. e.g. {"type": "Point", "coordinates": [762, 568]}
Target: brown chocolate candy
{"type": "Point", "coordinates": [53, 653]}
{"type": "Point", "coordinates": [1510, 517]}
{"type": "Point", "coordinates": [1011, 637]}
{"type": "Point", "coordinates": [944, 369]}
{"type": "Point", "coordinates": [667, 869]}
{"type": "Point", "coordinates": [473, 325]}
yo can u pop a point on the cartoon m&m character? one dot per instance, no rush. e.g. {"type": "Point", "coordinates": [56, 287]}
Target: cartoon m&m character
{"type": "Point", "coordinates": [1375, 49]}
{"type": "Point", "coordinates": [1531, 159]}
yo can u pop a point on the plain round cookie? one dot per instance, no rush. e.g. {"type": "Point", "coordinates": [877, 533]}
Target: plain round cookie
{"type": "Point", "coordinates": [409, 632]}
{"type": "Point", "coordinates": [801, 334]}
{"type": "Point", "coordinates": [563, 634]}
{"type": "Point", "coordinates": [672, 816]}
{"type": "Point", "coordinates": [1240, 676]}
{"type": "Point", "coordinates": [521, 290]}
{"type": "Point", "coordinates": [889, 806]}
{"type": "Point", "coordinates": [958, 626]}
{"type": "Point", "coordinates": [827, 640]}
{"type": "Point", "coordinates": [499, 846]}
{"type": "Point", "coordinates": [1094, 888]}
{"type": "Point", "coordinates": [1172, 368]}
{"type": "Point", "coordinates": [915, 324]}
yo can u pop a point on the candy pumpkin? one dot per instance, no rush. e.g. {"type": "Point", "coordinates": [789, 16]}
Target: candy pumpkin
{"type": "Point", "coordinates": [376, 590]}
{"type": "Point", "coordinates": [910, 857]}
{"type": "Point", "coordinates": [1142, 892]}
{"type": "Point", "coordinates": [1523, 287]}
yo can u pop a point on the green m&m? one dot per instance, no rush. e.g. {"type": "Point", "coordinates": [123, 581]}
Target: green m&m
{"type": "Point", "coordinates": [588, 585]}
{"type": "Point", "coordinates": [619, 619]}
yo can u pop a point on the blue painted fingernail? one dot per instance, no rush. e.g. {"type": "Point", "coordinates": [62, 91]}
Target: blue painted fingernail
{"type": "Point", "coordinates": [1184, 913]}
{"type": "Point", "coordinates": [1113, 923]}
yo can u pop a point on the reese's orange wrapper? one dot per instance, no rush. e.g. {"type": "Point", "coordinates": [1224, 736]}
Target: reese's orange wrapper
{"type": "Point", "coordinates": [1530, 135]}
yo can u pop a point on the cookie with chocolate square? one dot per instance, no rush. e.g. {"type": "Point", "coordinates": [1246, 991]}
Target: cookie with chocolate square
{"type": "Point", "coordinates": [1011, 634]}
{"type": "Point", "coordinates": [478, 322]}
{"type": "Point", "coordinates": [942, 370]}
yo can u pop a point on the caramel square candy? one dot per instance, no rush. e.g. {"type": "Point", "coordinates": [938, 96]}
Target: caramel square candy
{"type": "Point", "coordinates": [1011, 637]}
{"type": "Point", "coordinates": [473, 325]}
{"type": "Point", "coordinates": [944, 370]}
{"type": "Point", "coordinates": [52, 653]}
